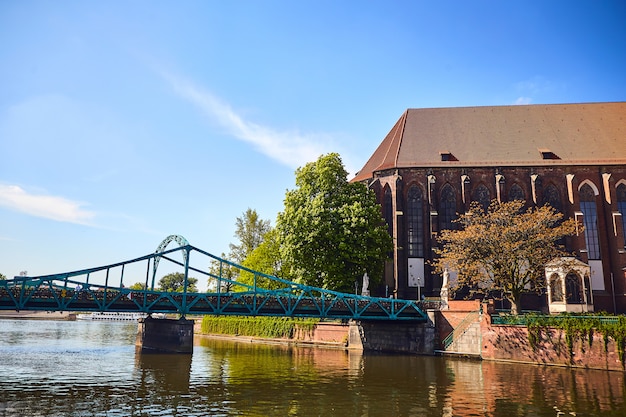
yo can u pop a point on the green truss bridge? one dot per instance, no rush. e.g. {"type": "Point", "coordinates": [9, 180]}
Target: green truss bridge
{"type": "Point", "coordinates": [102, 289]}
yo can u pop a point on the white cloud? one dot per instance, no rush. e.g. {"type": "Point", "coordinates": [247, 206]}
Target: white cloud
{"type": "Point", "coordinates": [46, 206]}
{"type": "Point", "coordinates": [523, 100]}
{"type": "Point", "coordinates": [533, 88]}
{"type": "Point", "coordinates": [289, 148]}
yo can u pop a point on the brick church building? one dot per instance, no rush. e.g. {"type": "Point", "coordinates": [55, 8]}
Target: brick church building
{"type": "Point", "coordinates": [435, 162]}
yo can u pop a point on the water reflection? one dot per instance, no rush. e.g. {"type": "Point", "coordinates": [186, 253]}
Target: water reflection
{"type": "Point", "coordinates": [316, 381]}
{"type": "Point", "coordinates": [170, 373]}
{"type": "Point", "coordinates": [572, 391]}
{"type": "Point", "coordinates": [319, 381]}
{"type": "Point", "coordinates": [79, 369]}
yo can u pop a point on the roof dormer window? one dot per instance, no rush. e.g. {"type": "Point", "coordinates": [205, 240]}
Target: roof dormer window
{"type": "Point", "coordinates": [547, 154]}
{"type": "Point", "coordinates": [447, 156]}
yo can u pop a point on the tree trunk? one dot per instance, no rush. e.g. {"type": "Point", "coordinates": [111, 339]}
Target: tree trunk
{"type": "Point", "coordinates": [516, 305]}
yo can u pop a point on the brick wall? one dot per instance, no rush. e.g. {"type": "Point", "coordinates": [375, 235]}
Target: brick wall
{"type": "Point", "coordinates": [511, 343]}
{"type": "Point", "coordinates": [324, 333]}
{"type": "Point", "coordinates": [448, 320]}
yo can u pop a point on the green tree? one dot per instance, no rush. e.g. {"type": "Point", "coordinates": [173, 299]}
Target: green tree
{"type": "Point", "coordinates": [224, 270]}
{"type": "Point", "coordinates": [249, 230]}
{"type": "Point", "coordinates": [2, 276]}
{"type": "Point", "coordinates": [266, 258]}
{"type": "Point", "coordinates": [504, 248]}
{"type": "Point", "coordinates": [138, 286]}
{"type": "Point", "coordinates": [175, 283]}
{"type": "Point", "coordinates": [331, 231]}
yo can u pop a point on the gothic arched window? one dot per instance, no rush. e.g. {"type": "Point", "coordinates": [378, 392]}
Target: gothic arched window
{"type": "Point", "coordinates": [481, 194]}
{"type": "Point", "coordinates": [415, 222]}
{"type": "Point", "coordinates": [621, 205]}
{"type": "Point", "coordinates": [552, 197]}
{"type": "Point", "coordinates": [573, 288]}
{"type": "Point", "coordinates": [447, 208]}
{"type": "Point", "coordinates": [516, 193]}
{"type": "Point", "coordinates": [556, 288]}
{"type": "Point", "coordinates": [590, 221]}
{"type": "Point", "coordinates": [388, 209]}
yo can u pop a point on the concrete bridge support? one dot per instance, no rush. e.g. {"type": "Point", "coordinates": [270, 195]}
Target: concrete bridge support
{"type": "Point", "coordinates": [164, 336]}
{"type": "Point", "coordinates": [385, 336]}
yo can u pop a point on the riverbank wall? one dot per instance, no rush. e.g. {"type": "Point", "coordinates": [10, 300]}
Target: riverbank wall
{"type": "Point", "coordinates": [512, 343]}
{"type": "Point", "coordinates": [333, 335]}
{"type": "Point", "coordinates": [37, 315]}
{"type": "Point", "coordinates": [401, 337]}
{"type": "Point", "coordinates": [476, 336]}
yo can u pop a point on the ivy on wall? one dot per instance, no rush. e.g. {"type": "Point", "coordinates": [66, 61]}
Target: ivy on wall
{"type": "Point", "coordinates": [576, 327]}
{"type": "Point", "coordinates": [270, 327]}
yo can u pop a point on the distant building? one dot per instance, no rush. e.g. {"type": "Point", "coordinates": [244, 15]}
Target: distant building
{"type": "Point", "coordinates": [434, 162]}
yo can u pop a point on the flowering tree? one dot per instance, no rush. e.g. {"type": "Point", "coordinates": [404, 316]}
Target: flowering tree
{"type": "Point", "coordinates": [504, 248]}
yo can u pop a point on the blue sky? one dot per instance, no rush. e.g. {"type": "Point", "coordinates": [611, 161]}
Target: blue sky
{"type": "Point", "coordinates": [122, 122]}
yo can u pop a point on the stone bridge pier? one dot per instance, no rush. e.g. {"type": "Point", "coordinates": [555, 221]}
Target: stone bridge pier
{"type": "Point", "coordinates": [164, 336]}
{"type": "Point", "coordinates": [386, 336]}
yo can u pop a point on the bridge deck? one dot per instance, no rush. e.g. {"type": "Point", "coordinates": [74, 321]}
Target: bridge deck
{"type": "Point", "coordinates": [257, 304]}
{"type": "Point", "coordinates": [73, 291]}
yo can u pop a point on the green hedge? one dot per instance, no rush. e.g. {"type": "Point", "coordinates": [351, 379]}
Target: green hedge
{"type": "Point", "coordinates": [271, 327]}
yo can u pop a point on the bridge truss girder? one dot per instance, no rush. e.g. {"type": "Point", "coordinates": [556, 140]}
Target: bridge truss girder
{"type": "Point", "coordinates": [72, 291]}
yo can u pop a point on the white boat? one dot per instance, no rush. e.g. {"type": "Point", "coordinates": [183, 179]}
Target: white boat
{"type": "Point", "coordinates": [110, 316]}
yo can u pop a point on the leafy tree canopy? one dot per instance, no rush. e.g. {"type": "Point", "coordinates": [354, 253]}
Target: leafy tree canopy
{"type": "Point", "coordinates": [504, 248]}
{"type": "Point", "coordinates": [250, 230]}
{"type": "Point", "coordinates": [224, 270]}
{"type": "Point", "coordinates": [138, 286]}
{"type": "Point", "coordinates": [175, 283]}
{"type": "Point", "coordinates": [331, 231]}
{"type": "Point", "coordinates": [266, 258]}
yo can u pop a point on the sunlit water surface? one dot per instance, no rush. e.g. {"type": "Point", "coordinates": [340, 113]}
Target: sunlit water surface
{"type": "Point", "coordinates": [61, 368]}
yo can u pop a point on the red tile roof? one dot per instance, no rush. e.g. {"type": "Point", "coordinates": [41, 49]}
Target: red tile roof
{"type": "Point", "coordinates": [529, 135]}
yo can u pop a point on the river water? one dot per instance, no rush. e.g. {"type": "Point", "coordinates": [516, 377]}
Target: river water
{"type": "Point", "coordinates": [64, 368]}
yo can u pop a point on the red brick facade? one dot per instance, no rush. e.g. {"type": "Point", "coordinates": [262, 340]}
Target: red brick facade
{"type": "Point", "coordinates": [525, 155]}
{"type": "Point", "coordinates": [609, 225]}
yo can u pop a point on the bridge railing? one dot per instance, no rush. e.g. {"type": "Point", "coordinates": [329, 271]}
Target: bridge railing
{"type": "Point", "coordinates": [77, 291]}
